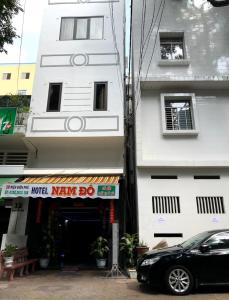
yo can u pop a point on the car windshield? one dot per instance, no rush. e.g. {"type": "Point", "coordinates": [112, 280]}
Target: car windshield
{"type": "Point", "coordinates": [195, 240]}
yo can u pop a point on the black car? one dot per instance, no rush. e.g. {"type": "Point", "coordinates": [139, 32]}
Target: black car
{"type": "Point", "coordinates": [201, 260]}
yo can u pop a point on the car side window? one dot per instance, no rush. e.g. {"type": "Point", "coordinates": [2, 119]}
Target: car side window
{"type": "Point", "coordinates": [219, 241]}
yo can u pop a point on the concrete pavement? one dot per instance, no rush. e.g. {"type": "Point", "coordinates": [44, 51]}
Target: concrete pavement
{"type": "Point", "coordinates": [85, 285]}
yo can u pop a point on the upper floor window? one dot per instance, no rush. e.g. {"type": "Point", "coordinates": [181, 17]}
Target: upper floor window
{"type": "Point", "coordinates": [83, 28]}
{"type": "Point", "coordinates": [179, 113]}
{"type": "Point", "coordinates": [25, 75]}
{"type": "Point", "coordinates": [100, 96]}
{"type": "Point", "coordinates": [22, 92]}
{"type": "Point", "coordinates": [54, 97]}
{"type": "Point", "coordinates": [6, 76]}
{"type": "Point", "coordinates": [172, 46]}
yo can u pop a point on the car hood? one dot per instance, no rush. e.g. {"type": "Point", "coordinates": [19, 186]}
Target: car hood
{"type": "Point", "coordinates": [164, 251]}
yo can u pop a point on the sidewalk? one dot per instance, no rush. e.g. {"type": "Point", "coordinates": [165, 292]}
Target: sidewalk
{"type": "Point", "coordinates": [86, 285]}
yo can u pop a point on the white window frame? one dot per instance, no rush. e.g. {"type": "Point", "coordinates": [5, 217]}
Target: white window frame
{"type": "Point", "coordinates": [174, 62]}
{"type": "Point", "coordinates": [22, 92]}
{"type": "Point", "coordinates": [179, 97]}
{"type": "Point", "coordinates": [23, 75]}
{"type": "Point", "coordinates": [5, 75]}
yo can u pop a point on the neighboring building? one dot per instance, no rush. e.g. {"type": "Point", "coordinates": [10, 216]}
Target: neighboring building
{"type": "Point", "coordinates": [76, 127]}
{"type": "Point", "coordinates": [15, 152]}
{"type": "Point", "coordinates": [181, 92]}
{"type": "Point", "coordinates": [16, 79]}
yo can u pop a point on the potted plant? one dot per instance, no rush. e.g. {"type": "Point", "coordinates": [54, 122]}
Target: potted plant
{"type": "Point", "coordinates": [45, 249]}
{"type": "Point", "coordinates": [100, 250]}
{"type": "Point", "coordinates": [128, 244]}
{"type": "Point", "coordinates": [9, 255]}
{"type": "Point", "coordinates": [141, 248]}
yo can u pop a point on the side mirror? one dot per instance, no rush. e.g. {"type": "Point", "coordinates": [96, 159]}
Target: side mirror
{"type": "Point", "coordinates": [204, 248]}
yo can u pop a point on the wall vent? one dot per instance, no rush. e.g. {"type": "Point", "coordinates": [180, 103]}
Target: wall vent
{"type": "Point", "coordinates": [166, 205]}
{"type": "Point", "coordinates": [13, 158]}
{"type": "Point", "coordinates": [163, 176]}
{"type": "Point", "coordinates": [210, 205]}
{"type": "Point", "coordinates": [168, 235]}
{"type": "Point", "coordinates": [207, 177]}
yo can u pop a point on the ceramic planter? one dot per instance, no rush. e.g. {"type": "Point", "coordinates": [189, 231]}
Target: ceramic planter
{"type": "Point", "coordinates": [44, 262]}
{"type": "Point", "coordinates": [132, 273]}
{"type": "Point", "coordinates": [8, 261]}
{"type": "Point", "coordinates": [141, 250]}
{"type": "Point", "coordinates": [101, 263]}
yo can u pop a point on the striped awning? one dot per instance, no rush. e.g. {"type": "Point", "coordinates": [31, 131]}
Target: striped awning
{"type": "Point", "coordinates": [105, 187]}
{"type": "Point", "coordinates": [72, 180]}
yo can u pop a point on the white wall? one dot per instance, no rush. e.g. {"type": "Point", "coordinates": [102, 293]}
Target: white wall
{"type": "Point", "coordinates": [188, 222]}
{"type": "Point", "coordinates": [206, 29]}
{"type": "Point", "coordinates": [102, 53]}
{"type": "Point", "coordinates": [210, 146]}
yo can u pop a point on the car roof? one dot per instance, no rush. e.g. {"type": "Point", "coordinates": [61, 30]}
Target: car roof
{"type": "Point", "coordinates": [217, 230]}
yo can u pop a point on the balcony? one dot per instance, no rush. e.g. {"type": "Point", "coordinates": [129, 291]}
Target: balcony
{"type": "Point", "coordinates": [22, 104]}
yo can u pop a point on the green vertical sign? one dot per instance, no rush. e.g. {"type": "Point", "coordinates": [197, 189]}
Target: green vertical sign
{"type": "Point", "coordinates": [7, 119]}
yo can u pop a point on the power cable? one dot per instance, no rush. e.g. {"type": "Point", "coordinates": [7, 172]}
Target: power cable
{"type": "Point", "coordinates": [152, 25]}
{"type": "Point", "coordinates": [20, 50]}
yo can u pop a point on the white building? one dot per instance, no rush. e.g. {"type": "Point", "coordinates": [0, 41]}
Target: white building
{"type": "Point", "coordinates": [181, 73]}
{"type": "Point", "coordinates": [76, 115]}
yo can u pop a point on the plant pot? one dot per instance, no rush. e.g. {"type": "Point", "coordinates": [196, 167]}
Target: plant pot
{"type": "Point", "coordinates": [132, 273]}
{"type": "Point", "coordinates": [8, 261]}
{"type": "Point", "coordinates": [141, 250]}
{"type": "Point", "coordinates": [44, 262]}
{"type": "Point", "coordinates": [101, 263]}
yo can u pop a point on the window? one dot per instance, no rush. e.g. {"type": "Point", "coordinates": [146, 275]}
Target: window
{"type": "Point", "coordinates": [172, 47]}
{"type": "Point", "coordinates": [179, 114]}
{"type": "Point", "coordinates": [219, 241]}
{"type": "Point", "coordinates": [54, 97]}
{"type": "Point", "coordinates": [25, 75]}
{"type": "Point", "coordinates": [88, 28]}
{"type": "Point", "coordinates": [100, 96]}
{"type": "Point", "coordinates": [210, 205]}
{"type": "Point", "coordinates": [6, 76]}
{"type": "Point", "coordinates": [22, 92]}
{"type": "Point", "coordinates": [166, 205]}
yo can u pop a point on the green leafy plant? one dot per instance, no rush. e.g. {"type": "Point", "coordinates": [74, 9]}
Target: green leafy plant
{"type": "Point", "coordinates": [100, 248]}
{"type": "Point", "coordinates": [9, 250]}
{"type": "Point", "coordinates": [142, 244]}
{"type": "Point", "coordinates": [128, 244]}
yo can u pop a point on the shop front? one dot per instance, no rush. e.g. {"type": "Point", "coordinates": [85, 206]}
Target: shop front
{"type": "Point", "coordinates": [66, 214]}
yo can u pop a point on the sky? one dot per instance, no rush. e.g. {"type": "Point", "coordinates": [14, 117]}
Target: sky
{"type": "Point", "coordinates": [31, 32]}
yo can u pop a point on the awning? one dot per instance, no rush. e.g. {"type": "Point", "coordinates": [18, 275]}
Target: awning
{"type": "Point", "coordinates": [4, 180]}
{"type": "Point", "coordinates": [106, 187]}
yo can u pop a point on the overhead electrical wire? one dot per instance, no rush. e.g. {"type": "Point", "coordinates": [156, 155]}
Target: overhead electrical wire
{"type": "Point", "coordinates": [159, 12]}
{"type": "Point", "coordinates": [20, 49]}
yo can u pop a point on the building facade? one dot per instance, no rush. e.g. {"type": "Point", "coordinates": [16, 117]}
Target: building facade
{"type": "Point", "coordinates": [76, 127]}
{"type": "Point", "coordinates": [181, 73]}
{"type": "Point", "coordinates": [16, 79]}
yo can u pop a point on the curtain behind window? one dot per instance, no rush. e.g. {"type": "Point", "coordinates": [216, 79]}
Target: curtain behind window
{"type": "Point", "coordinates": [96, 28]}
{"type": "Point", "coordinates": [67, 28]}
{"type": "Point", "coordinates": [81, 28]}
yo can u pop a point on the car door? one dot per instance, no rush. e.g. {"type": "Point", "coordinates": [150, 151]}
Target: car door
{"type": "Point", "coordinates": [212, 265]}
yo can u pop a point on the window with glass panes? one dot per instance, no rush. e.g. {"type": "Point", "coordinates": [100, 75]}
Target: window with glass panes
{"type": "Point", "coordinates": [178, 114]}
{"type": "Point", "coordinates": [172, 48]}
{"type": "Point", "coordinates": [83, 28]}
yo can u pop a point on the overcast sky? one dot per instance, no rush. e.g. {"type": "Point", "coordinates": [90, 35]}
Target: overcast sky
{"type": "Point", "coordinates": [33, 18]}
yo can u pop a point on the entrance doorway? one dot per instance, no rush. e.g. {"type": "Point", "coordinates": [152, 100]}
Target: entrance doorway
{"type": "Point", "coordinates": [4, 221]}
{"type": "Point", "coordinates": [79, 226]}
{"type": "Point", "coordinates": [67, 228]}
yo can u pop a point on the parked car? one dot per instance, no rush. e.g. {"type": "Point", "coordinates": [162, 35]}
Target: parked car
{"type": "Point", "coordinates": [201, 260]}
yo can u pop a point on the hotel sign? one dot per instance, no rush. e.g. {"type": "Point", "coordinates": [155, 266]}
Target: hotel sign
{"type": "Point", "coordinates": [7, 119]}
{"type": "Point", "coordinates": [105, 191]}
